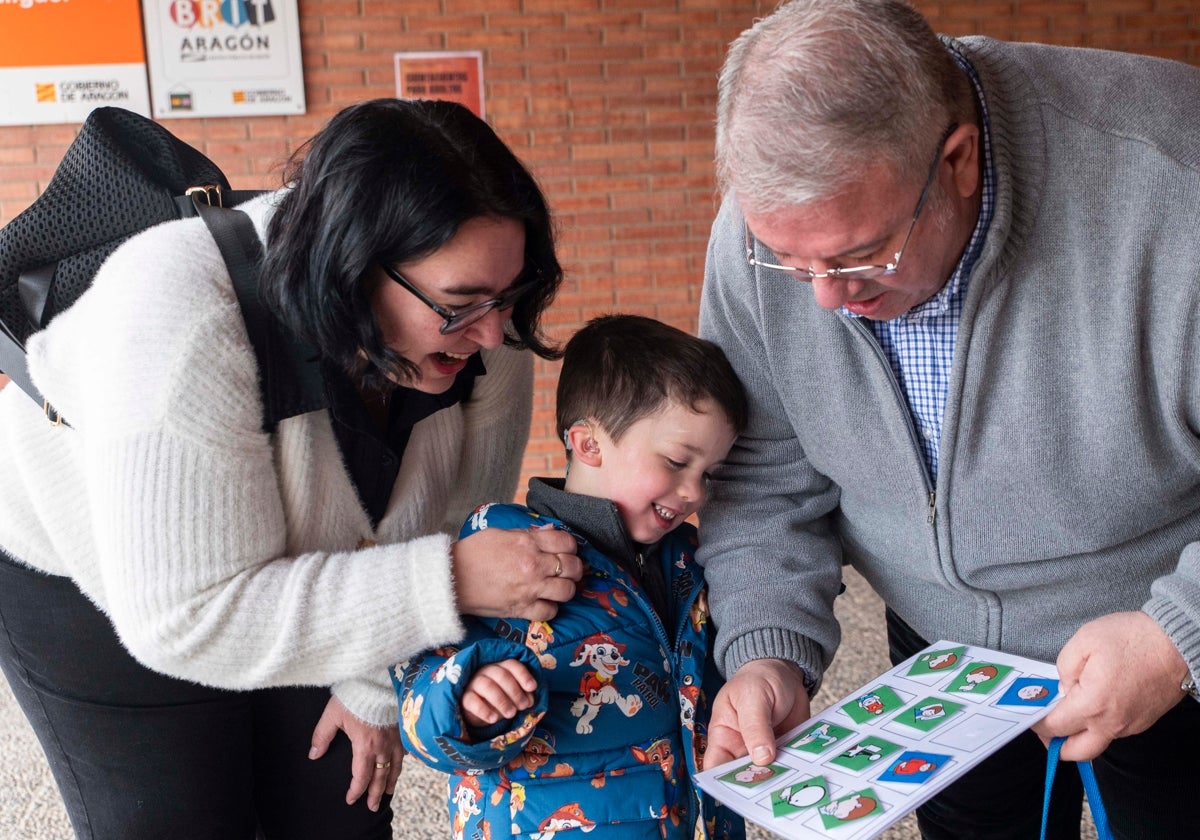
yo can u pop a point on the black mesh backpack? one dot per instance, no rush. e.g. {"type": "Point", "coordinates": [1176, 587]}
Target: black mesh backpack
{"type": "Point", "coordinates": [122, 174]}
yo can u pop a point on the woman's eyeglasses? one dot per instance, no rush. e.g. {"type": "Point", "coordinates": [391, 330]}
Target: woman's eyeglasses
{"type": "Point", "coordinates": [455, 320]}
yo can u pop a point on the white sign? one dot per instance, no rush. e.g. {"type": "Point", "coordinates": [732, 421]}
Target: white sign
{"type": "Point", "coordinates": [224, 58]}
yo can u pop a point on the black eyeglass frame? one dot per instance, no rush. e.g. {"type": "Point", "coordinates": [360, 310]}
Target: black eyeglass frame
{"type": "Point", "coordinates": [455, 320]}
{"type": "Point", "coordinates": [865, 272]}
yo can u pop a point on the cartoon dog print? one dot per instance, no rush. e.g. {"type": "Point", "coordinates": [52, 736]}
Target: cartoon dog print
{"type": "Point", "coordinates": [504, 739]}
{"type": "Point", "coordinates": [659, 752]}
{"type": "Point", "coordinates": [466, 796]}
{"type": "Point", "coordinates": [410, 713]}
{"type": "Point", "coordinates": [604, 593]}
{"type": "Point", "coordinates": [568, 816]}
{"type": "Point", "coordinates": [689, 699]}
{"type": "Point", "coordinates": [538, 638]}
{"type": "Point", "coordinates": [479, 517]}
{"type": "Point", "coordinates": [449, 671]}
{"type": "Point", "coordinates": [602, 654]}
{"type": "Point", "coordinates": [528, 764]}
{"type": "Point", "coordinates": [698, 614]}
{"type": "Point", "coordinates": [516, 802]}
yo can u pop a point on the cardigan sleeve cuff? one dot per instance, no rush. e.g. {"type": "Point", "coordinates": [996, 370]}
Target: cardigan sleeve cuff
{"type": "Point", "coordinates": [776, 643]}
{"type": "Point", "coordinates": [373, 701]}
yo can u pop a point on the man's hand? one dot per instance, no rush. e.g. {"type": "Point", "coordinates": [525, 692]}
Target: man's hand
{"type": "Point", "coordinates": [765, 698]}
{"type": "Point", "coordinates": [1118, 675]}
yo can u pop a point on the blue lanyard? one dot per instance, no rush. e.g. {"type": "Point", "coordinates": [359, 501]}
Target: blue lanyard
{"type": "Point", "coordinates": [1099, 817]}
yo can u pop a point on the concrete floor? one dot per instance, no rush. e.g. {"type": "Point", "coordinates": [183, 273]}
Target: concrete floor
{"type": "Point", "coordinates": [30, 808]}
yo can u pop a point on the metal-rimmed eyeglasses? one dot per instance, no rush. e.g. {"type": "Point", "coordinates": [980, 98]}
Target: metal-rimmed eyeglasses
{"type": "Point", "coordinates": [454, 320]}
{"type": "Point", "coordinates": [859, 272]}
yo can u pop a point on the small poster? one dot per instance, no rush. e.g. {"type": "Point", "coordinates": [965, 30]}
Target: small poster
{"type": "Point", "coordinates": [456, 76]}
{"type": "Point", "coordinates": [232, 58]}
{"type": "Point", "coordinates": [860, 765]}
{"type": "Point", "coordinates": [59, 60]}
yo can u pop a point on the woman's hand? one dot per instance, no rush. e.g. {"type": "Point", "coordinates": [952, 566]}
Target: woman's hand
{"type": "Point", "coordinates": [523, 573]}
{"type": "Point", "coordinates": [377, 753]}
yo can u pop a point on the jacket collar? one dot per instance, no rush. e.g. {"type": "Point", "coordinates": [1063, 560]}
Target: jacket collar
{"type": "Point", "coordinates": [596, 520]}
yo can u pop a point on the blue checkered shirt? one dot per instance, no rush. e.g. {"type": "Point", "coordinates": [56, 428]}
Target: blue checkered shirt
{"type": "Point", "coordinates": [920, 343]}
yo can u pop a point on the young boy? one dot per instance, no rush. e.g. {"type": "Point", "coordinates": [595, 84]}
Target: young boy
{"type": "Point", "coordinates": [595, 719]}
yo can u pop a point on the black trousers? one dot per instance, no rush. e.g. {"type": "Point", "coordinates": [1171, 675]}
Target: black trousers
{"type": "Point", "coordinates": [1146, 780]}
{"type": "Point", "coordinates": [140, 756]}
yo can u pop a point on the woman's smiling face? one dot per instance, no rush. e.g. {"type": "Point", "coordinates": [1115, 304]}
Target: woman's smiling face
{"type": "Point", "coordinates": [482, 260]}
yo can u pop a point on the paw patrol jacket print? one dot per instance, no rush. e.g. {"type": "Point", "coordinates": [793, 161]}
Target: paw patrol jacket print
{"type": "Point", "coordinates": [622, 704]}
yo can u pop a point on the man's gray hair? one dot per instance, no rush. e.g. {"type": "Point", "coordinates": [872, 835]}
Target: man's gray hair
{"type": "Point", "coordinates": [818, 90]}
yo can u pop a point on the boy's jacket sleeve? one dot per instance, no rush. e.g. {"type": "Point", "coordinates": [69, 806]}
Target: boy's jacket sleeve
{"type": "Point", "coordinates": [431, 689]}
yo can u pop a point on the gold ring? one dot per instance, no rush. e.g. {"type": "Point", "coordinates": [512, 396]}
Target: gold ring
{"type": "Point", "coordinates": [382, 765]}
{"type": "Point", "coordinates": [558, 568]}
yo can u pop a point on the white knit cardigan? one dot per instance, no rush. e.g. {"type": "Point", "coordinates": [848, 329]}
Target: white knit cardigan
{"type": "Point", "coordinates": [224, 555]}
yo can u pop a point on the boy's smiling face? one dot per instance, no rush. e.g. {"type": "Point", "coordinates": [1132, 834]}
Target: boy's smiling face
{"type": "Point", "coordinates": [657, 473]}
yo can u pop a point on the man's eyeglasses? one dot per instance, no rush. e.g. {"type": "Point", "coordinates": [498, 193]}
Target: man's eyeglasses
{"type": "Point", "coordinates": [455, 320]}
{"type": "Point", "coordinates": [860, 272]}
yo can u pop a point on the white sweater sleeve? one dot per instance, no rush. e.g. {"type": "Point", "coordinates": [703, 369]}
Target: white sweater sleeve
{"type": "Point", "coordinates": [191, 541]}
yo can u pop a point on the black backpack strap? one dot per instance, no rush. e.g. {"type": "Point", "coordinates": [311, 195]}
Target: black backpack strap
{"type": "Point", "coordinates": [211, 194]}
{"type": "Point", "coordinates": [15, 366]}
{"type": "Point", "coordinates": [289, 370]}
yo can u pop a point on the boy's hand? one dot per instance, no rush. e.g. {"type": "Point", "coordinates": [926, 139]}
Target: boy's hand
{"type": "Point", "coordinates": [497, 691]}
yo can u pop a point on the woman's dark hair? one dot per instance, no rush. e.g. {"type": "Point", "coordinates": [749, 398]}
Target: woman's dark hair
{"type": "Point", "coordinates": [389, 181]}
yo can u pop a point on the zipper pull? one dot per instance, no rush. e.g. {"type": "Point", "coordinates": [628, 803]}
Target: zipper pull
{"type": "Point", "coordinates": [932, 507]}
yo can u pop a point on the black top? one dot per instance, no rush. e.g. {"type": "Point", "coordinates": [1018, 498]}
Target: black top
{"type": "Point", "coordinates": [372, 457]}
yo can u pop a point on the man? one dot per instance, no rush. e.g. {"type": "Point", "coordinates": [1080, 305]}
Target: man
{"type": "Point", "coordinates": [959, 279]}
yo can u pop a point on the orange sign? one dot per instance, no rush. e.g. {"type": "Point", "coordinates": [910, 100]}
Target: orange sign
{"type": "Point", "coordinates": [455, 76]}
{"type": "Point", "coordinates": [59, 33]}
{"type": "Point", "coordinates": [59, 59]}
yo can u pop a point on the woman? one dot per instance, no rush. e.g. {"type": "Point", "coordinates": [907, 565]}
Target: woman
{"type": "Point", "coordinates": [170, 573]}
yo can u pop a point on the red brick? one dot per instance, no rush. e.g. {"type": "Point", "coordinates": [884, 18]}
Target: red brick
{"type": "Point", "coordinates": [611, 105]}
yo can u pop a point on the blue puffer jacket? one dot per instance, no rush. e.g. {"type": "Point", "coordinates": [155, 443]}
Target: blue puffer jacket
{"type": "Point", "coordinates": [619, 715]}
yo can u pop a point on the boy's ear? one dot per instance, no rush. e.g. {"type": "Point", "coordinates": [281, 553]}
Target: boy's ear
{"type": "Point", "coordinates": [584, 446]}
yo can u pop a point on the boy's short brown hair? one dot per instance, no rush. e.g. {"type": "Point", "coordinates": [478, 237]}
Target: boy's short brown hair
{"type": "Point", "coordinates": [620, 368]}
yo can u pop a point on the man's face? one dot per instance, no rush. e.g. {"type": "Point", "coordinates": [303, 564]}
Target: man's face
{"type": "Point", "coordinates": [866, 225]}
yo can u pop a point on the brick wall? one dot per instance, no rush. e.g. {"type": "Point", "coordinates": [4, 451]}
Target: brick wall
{"type": "Point", "coordinates": [610, 102]}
